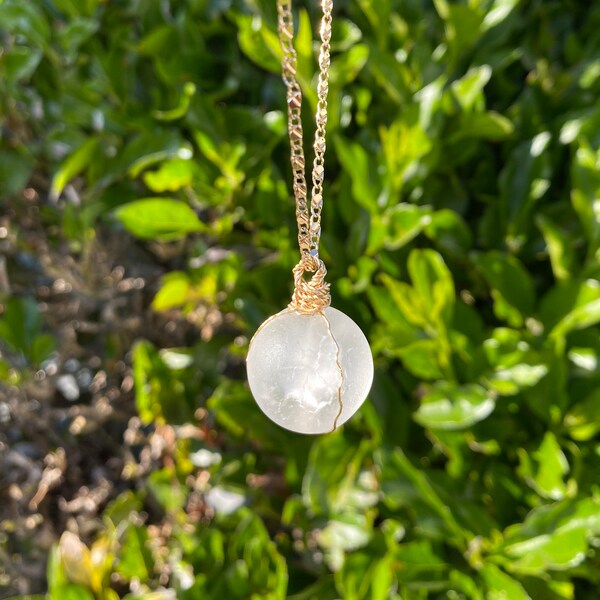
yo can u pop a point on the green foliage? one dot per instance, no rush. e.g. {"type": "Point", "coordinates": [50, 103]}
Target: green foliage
{"type": "Point", "coordinates": [461, 230]}
{"type": "Point", "coordinates": [21, 334]}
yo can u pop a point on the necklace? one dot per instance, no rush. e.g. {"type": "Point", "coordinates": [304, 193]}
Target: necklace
{"type": "Point", "coordinates": [310, 367]}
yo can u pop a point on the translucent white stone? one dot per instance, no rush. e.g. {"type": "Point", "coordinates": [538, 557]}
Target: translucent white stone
{"type": "Point", "coordinates": [310, 373]}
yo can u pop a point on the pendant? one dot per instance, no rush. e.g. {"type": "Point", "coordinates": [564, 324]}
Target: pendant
{"type": "Point", "coordinates": [310, 371]}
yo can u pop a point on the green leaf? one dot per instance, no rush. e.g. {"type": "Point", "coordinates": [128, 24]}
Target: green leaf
{"type": "Point", "coordinates": [330, 481]}
{"type": "Point", "coordinates": [365, 576]}
{"type": "Point", "coordinates": [552, 537]}
{"type": "Point", "coordinates": [545, 468]}
{"type": "Point", "coordinates": [77, 32]}
{"type": "Point", "coordinates": [450, 407]}
{"type": "Point", "coordinates": [584, 311]}
{"type": "Point", "coordinates": [136, 560]}
{"type": "Point", "coordinates": [142, 365]}
{"type": "Point", "coordinates": [501, 586]}
{"type": "Point", "coordinates": [26, 19]}
{"type": "Point", "coordinates": [348, 65]}
{"type": "Point", "coordinates": [151, 148]}
{"type": "Point", "coordinates": [344, 534]}
{"type": "Point", "coordinates": [583, 419]}
{"type": "Point", "coordinates": [404, 146]}
{"type": "Point", "coordinates": [468, 90]}
{"type": "Point", "coordinates": [160, 218]}
{"type": "Point", "coordinates": [585, 193]}
{"type": "Point", "coordinates": [77, 162]}
{"type": "Point", "coordinates": [404, 484]}
{"type": "Point", "coordinates": [259, 43]}
{"type": "Point", "coordinates": [21, 62]}
{"type": "Point", "coordinates": [15, 171]}
{"type": "Point", "coordinates": [433, 284]}
{"type": "Point", "coordinates": [357, 165]}
{"type": "Point", "coordinates": [449, 231]}
{"type": "Point", "coordinates": [498, 12]}
{"type": "Point", "coordinates": [189, 90]}
{"type": "Point", "coordinates": [511, 286]}
{"type": "Point", "coordinates": [73, 592]}
{"type": "Point", "coordinates": [524, 180]}
{"type": "Point", "coordinates": [121, 508]}
{"type": "Point", "coordinates": [397, 226]}
{"type": "Point", "coordinates": [402, 300]}
{"type": "Point", "coordinates": [417, 563]}
{"type": "Point", "coordinates": [172, 175]}
{"type": "Point", "coordinates": [511, 380]}
{"type": "Point", "coordinates": [560, 248]}
{"type": "Point", "coordinates": [421, 358]}
{"type": "Point", "coordinates": [487, 125]}
{"type": "Point", "coordinates": [170, 495]}
{"type": "Point", "coordinates": [166, 385]}
{"type": "Point", "coordinates": [20, 328]}
{"type": "Point", "coordinates": [76, 561]}
{"type": "Point", "coordinates": [75, 8]}
{"type": "Point", "coordinates": [174, 291]}
{"type": "Point", "coordinates": [463, 25]}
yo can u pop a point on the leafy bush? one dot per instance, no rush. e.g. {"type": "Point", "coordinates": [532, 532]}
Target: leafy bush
{"type": "Point", "coordinates": [461, 230]}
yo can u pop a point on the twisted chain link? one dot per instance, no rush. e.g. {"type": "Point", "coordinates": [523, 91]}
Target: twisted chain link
{"type": "Point", "coordinates": [308, 217]}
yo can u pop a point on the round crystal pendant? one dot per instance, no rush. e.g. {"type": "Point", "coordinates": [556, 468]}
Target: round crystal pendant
{"type": "Point", "coordinates": [310, 373]}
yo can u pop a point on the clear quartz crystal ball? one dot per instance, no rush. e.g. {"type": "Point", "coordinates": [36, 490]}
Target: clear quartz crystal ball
{"type": "Point", "coordinates": [310, 373]}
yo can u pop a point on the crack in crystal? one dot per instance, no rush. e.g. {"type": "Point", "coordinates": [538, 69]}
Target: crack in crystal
{"type": "Point", "coordinates": [339, 366]}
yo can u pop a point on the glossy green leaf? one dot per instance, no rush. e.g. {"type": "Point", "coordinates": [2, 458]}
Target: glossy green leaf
{"type": "Point", "coordinates": [417, 562]}
{"type": "Point", "coordinates": [583, 419]}
{"type": "Point", "coordinates": [259, 43]}
{"type": "Point", "coordinates": [468, 90]}
{"type": "Point", "coordinates": [586, 187]}
{"type": "Point", "coordinates": [398, 226]}
{"type": "Point", "coordinates": [511, 380]}
{"type": "Point", "coordinates": [560, 248]}
{"type": "Point", "coordinates": [421, 358]}
{"type": "Point", "coordinates": [524, 181]}
{"type": "Point", "coordinates": [501, 586]}
{"type": "Point", "coordinates": [136, 559]}
{"type": "Point", "coordinates": [357, 164]}
{"type": "Point", "coordinates": [77, 162]}
{"type": "Point", "coordinates": [586, 313]}
{"type": "Point", "coordinates": [174, 291]}
{"type": "Point", "coordinates": [344, 533]}
{"type": "Point", "coordinates": [511, 286]}
{"type": "Point", "coordinates": [433, 284]}
{"type": "Point", "coordinates": [552, 537]}
{"type": "Point", "coordinates": [159, 218]}
{"type": "Point", "coordinates": [545, 469]}
{"type": "Point", "coordinates": [366, 576]}
{"type": "Point", "coordinates": [448, 230]}
{"type": "Point", "coordinates": [73, 592]}
{"type": "Point", "coordinates": [450, 407]}
{"type": "Point", "coordinates": [488, 125]}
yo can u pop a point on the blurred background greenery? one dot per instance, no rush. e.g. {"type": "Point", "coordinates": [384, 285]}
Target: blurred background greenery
{"type": "Point", "coordinates": [146, 230]}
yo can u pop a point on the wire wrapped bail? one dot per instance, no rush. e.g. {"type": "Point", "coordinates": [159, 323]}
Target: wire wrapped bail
{"type": "Point", "coordinates": [312, 296]}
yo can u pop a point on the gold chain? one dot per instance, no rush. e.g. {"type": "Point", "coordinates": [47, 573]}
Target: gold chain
{"type": "Point", "coordinates": [309, 220]}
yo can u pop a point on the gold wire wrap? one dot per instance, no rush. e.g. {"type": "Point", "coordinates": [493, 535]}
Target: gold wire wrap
{"type": "Point", "coordinates": [310, 296]}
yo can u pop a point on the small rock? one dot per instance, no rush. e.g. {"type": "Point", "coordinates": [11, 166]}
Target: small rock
{"type": "Point", "coordinates": [204, 458]}
{"type": "Point", "coordinates": [223, 501]}
{"type": "Point", "coordinates": [67, 386]}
